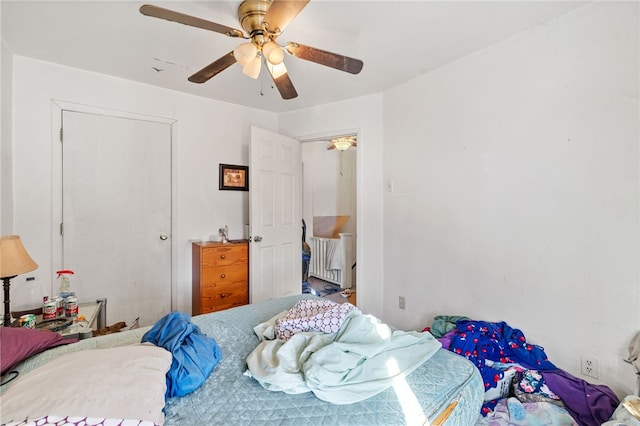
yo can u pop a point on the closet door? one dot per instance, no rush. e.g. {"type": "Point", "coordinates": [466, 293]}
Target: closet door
{"type": "Point", "coordinates": [116, 213]}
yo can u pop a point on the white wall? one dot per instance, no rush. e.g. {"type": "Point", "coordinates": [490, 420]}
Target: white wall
{"type": "Point", "coordinates": [6, 169]}
{"type": "Point", "coordinates": [364, 115]}
{"type": "Point", "coordinates": [515, 176]}
{"type": "Point", "coordinates": [329, 184]}
{"type": "Point", "coordinates": [207, 133]}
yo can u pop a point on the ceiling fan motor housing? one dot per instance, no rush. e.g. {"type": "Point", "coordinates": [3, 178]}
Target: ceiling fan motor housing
{"type": "Point", "coordinates": [251, 14]}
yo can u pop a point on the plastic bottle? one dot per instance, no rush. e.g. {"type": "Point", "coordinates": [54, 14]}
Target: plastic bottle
{"type": "Point", "coordinates": [65, 286]}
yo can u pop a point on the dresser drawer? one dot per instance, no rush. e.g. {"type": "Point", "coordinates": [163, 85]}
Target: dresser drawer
{"type": "Point", "coordinates": [224, 274]}
{"type": "Point", "coordinates": [216, 297]}
{"type": "Point", "coordinates": [213, 257]}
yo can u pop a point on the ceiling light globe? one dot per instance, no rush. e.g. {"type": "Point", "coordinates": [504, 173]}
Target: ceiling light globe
{"type": "Point", "coordinates": [268, 47]}
{"type": "Point", "coordinates": [277, 70]}
{"type": "Point", "coordinates": [245, 53]}
{"type": "Point", "coordinates": [276, 56]}
{"type": "Point", "coordinates": [272, 52]}
{"type": "Point", "coordinates": [342, 145]}
{"type": "Point", "coordinates": [252, 69]}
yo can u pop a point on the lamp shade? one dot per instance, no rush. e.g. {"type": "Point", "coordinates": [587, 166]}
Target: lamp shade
{"type": "Point", "coordinates": [14, 259]}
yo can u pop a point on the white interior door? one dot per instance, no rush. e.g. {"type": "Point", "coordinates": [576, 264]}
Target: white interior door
{"type": "Point", "coordinates": [275, 210]}
{"type": "Point", "coordinates": [116, 213]}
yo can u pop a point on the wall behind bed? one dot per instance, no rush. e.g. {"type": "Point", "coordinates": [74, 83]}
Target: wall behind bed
{"type": "Point", "coordinates": [516, 176]}
{"type": "Point", "coordinates": [207, 133]}
{"type": "Point", "coordinates": [6, 167]}
{"type": "Point", "coordinates": [510, 189]}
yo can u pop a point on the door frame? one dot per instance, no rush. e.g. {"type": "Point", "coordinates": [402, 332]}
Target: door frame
{"type": "Point", "coordinates": [57, 109]}
{"type": "Point", "coordinates": [322, 136]}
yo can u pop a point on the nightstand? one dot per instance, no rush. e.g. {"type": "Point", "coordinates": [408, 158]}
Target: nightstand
{"type": "Point", "coordinates": [94, 312]}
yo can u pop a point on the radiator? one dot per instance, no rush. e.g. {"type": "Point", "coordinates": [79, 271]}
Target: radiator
{"type": "Point", "coordinates": [321, 248]}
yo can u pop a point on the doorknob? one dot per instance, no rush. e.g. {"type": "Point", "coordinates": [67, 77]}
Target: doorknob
{"type": "Point", "coordinates": [163, 237]}
{"type": "Point", "coordinates": [257, 238]}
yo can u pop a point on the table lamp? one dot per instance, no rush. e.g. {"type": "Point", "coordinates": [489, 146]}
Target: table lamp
{"type": "Point", "coordinates": [14, 260]}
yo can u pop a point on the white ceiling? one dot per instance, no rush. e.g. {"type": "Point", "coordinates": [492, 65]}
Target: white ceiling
{"type": "Point", "coordinates": [397, 40]}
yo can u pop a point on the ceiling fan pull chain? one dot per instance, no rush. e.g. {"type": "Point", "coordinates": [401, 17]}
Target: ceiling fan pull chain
{"type": "Point", "coordinates": [262, 84]}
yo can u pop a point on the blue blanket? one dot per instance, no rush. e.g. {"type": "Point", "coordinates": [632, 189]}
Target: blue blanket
{"type": "Point", "coordinates": [194, 353]}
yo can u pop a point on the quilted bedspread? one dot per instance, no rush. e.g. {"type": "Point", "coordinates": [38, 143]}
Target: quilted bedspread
{"type": "Point", "coordinates": [228, 397]}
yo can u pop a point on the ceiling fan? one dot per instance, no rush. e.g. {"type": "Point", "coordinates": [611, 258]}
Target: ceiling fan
{"type": "Point", "coordinates": [342, 143]}
{"type": "Point", "coordinates": [263, 22]}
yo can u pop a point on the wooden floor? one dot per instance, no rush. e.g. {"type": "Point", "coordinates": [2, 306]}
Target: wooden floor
{"type": "Point", "coordinates": [331, 291]}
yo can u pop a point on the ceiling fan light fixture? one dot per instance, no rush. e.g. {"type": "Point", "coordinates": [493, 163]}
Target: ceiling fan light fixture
{"type": "Point", "coordinates": [342, 143]}
{"type": "Point", "coordinates": [276, 56]}
{"type": "Point", "coordinates": [245, 53]}
{"type": "Point", "coordinates": [277, 70]}
{"type": "Point", "coordinates": [272, 53]}
{"type": "Point", "coordinates": [252, 69]}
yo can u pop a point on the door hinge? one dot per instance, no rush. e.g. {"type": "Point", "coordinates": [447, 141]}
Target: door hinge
{"type": "Point", "coordinates": [61, 134]}
{"type": "Point", "coordinates": [62, 229]}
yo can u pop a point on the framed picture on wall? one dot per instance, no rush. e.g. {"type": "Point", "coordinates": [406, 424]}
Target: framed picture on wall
{"type": "Point", "coordinates": [234, 178]}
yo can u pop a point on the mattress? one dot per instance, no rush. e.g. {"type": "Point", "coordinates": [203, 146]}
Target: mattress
{"type": "Point", "coordinates": [446, 384]}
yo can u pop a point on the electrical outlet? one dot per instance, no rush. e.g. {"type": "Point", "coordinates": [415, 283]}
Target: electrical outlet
{"type": "Point", "coordinates": [401, 302]}
{"type": "Point", "coordinates": [590, 367]}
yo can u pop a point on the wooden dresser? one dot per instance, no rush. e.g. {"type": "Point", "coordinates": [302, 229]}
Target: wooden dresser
{"type": "Point", "coordinates": [220, 276]}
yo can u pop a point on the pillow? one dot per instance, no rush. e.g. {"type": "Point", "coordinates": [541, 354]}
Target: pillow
{"type": "Point", "coordinates": [19, 343]}
{"type": "Point", "coordinates": [125, 382]}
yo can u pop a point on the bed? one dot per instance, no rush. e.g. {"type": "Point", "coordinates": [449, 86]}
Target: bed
{"type": "Point", "coordinates": [446, 389]}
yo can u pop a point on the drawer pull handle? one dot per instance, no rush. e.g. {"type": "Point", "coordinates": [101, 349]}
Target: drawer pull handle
{"type": "Point", "coordinates": [222, 256]}
{"type": "Point", "coordinates": [222, 275]}
{"type": "Point", "coordinates": [223, 295]}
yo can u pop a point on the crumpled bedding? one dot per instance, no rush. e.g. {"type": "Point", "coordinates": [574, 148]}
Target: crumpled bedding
{"type": "Point", "coordinates": [230, 398]}
{"type": "Point", "coordinates": [361, 360]}
{"type": "Point", "coordinates": [325, 316]}
{"type": "Point", "coordinates": [537, 414]}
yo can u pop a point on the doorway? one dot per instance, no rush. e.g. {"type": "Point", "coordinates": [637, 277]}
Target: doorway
{"type": "Point", "coordinates": [116, 212]}
{"type": "Point", "coordinates": [329, 198]}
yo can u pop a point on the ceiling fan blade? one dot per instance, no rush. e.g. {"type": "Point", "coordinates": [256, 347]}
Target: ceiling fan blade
{"type": "Point", "coordinates": [170, 15]}
{"type": "Point", "coordinates": [281, 12]}
{"type": "Point", "coordinates": [282, 81]}
{"type": "Point", "coordinates": [213, 68]}
{"type": "Point", "coordinates": [322, 57]}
